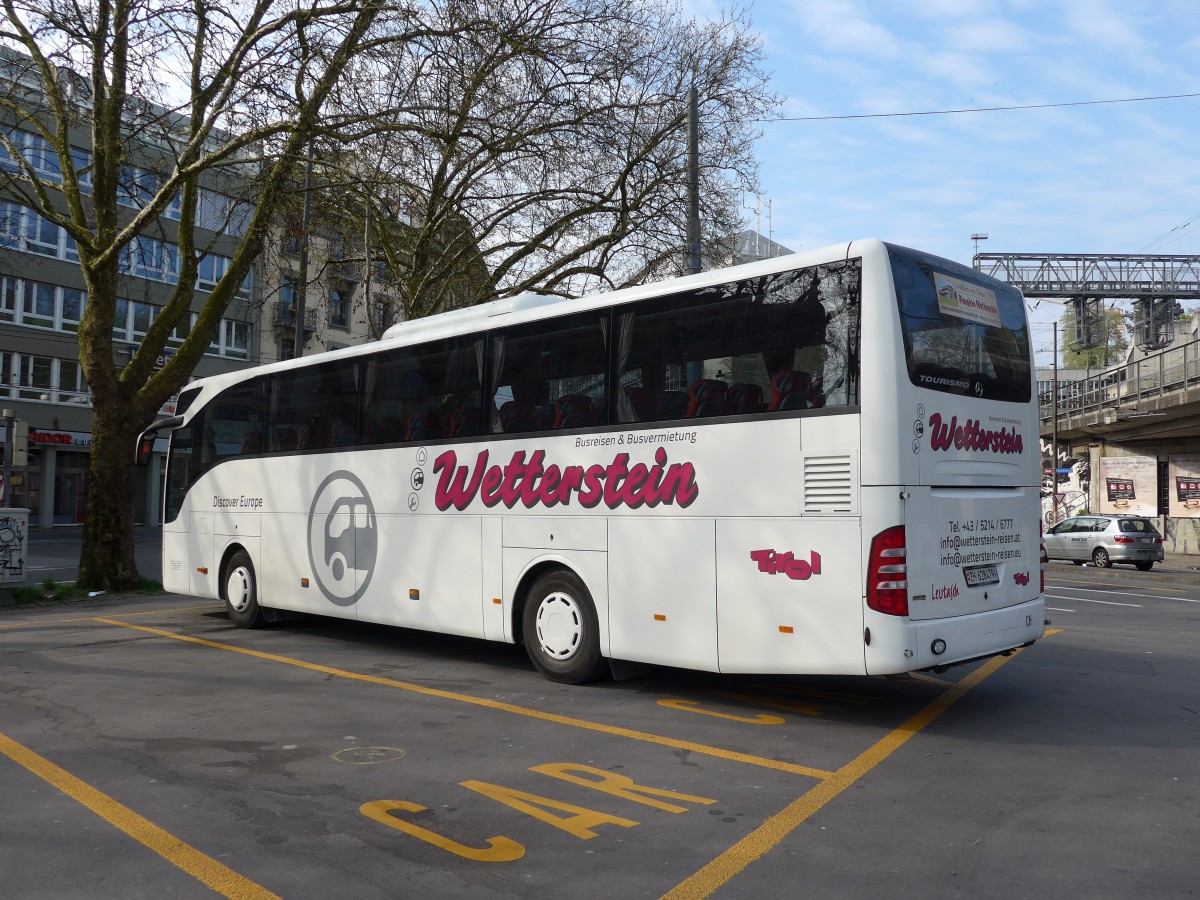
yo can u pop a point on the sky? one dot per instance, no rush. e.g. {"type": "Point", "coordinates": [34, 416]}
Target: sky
{"type": "Point", "coordinates": [1112, 178]}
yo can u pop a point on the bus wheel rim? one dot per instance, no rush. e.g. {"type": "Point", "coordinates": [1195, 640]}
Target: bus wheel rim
{"type": "Point", "coordinates": [237, 588]}
{"type": "Point", "coordinates": [559, 625]}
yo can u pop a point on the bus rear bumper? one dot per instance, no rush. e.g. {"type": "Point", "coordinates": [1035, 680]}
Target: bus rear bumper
{"type": "Point", "coordinates": [945, 642]}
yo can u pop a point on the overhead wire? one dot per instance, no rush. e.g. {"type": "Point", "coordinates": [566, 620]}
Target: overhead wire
{"type": "Point", "coordinates": [1173, 233]}
{"type": "Point", "coordinates": [978, 109]}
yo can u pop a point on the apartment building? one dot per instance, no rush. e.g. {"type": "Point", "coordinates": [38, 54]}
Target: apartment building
{"type": "Point", "coordinates": [42, 299]}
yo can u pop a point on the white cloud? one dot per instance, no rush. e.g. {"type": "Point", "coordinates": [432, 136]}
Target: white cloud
{"type": "Point", "coordinates": [844, 26]}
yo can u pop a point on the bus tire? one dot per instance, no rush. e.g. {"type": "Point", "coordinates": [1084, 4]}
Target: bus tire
{"type": "Point", "coordinates": [239, 587]}
{"type": "Point", "coordinates": [560, 629]}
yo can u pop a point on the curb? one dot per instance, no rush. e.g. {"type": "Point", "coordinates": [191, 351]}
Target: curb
{"type": "Point", "coordinates": [79, 601]}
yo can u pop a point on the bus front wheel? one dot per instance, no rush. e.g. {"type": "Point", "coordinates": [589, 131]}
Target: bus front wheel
{"type": "Point", "coordinates": [241, 591]}
{"type": "Point", "coordinates": [560, 629]}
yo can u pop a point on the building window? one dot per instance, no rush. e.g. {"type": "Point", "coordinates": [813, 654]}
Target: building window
{"type": "Point", "coordinates": [43, 379]}
{"type": "Point", "coordinates": [41, 235]}
{"type": "Point", "coordinates": [72, 386]}
{"type": "Point", "coordinates": [35, 378]}
{"type": "Point", "coordinates": [37, 310]}
{"type": "Point", "coordinates": [143, 315]}
{"type": "Point", "coordinates": [72, 308]}
{"type": "Point", "coordinates": [8, 299]}
{"type": "Point", "coordinates": [121, 320]}
{"type": "Point", "coordinates": [182, 329]}
{"type": "Point", "coordinates": [237, 339]}
{"type": "Point", "coordinates": [337, 309]}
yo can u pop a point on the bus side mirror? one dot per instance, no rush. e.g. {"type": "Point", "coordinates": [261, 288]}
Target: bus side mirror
{"type": "Point", "coordinates": [145, 444]}
{"type": "Point", "coordinates": [145, 447]}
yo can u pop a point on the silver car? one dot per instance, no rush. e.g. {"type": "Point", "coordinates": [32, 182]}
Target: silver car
{"type": "Point", "coordinates": [1105, 539]}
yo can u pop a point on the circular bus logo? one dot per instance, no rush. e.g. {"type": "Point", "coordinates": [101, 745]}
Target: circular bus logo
{"type": "Point", "coordinates": [343, 538]}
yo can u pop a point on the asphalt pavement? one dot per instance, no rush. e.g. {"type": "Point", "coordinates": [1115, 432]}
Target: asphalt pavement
{"type": "Point", "coordinates": [54, 554]}
{"type": "Point", "coordinates": [1176, 568]}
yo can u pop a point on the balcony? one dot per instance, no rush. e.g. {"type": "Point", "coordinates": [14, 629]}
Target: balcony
{"type": "Point", "coordinates": [350, 272]}
{"type": "Point", "coordinates": [283, 316]}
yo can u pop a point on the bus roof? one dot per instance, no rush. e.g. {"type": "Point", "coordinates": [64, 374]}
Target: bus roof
{"type": "Point", "coordinates": [533, 306]}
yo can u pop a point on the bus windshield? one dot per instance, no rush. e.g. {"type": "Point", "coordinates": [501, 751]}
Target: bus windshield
{"type": "Point", "coordinates": [962, 334]}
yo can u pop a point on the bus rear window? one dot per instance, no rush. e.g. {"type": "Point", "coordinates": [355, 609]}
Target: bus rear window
{"type": "Point", "coordinates": [962, 335]}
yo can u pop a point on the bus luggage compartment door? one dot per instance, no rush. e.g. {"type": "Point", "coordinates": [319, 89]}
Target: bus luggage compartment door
{"type": "Point", "coordinates": [788, 596]}
{"type": "Point", "coordinates": [662, 590]}
{"type": "Point", "coordinates": [200, 556]}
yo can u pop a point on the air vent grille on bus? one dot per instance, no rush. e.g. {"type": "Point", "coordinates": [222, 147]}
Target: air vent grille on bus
{"type": "Point", "coordinates": [829, 484]}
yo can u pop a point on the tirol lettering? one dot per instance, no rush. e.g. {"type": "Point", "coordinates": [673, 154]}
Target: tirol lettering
{"type": "Point", "coordinates": [972, 436]}
{"type": "Point", "coordinates": [775, 563]}
{"type": "Point", "coordinates": [532, 483]}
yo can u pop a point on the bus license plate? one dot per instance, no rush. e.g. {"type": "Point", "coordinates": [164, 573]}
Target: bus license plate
{"type": "Point", "coordinates": [978, 576]}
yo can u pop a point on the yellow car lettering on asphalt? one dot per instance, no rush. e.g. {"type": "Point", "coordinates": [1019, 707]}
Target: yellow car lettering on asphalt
{"type": "Point", "coordinates": [618, 785]}
{"type": "Point", "coordinates": [807, 709]}
{"type": "Point", "coordinates": [579, 823]}
{"type": "Point", "coordinates": [499, 849]}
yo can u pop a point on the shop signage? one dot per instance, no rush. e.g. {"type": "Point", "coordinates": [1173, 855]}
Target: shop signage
{"type": "Point", "coordinates": [60, 438]}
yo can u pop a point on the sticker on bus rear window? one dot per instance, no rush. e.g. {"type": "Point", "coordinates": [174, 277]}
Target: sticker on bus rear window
{"type": "Point", "coordinates": [965, 300]}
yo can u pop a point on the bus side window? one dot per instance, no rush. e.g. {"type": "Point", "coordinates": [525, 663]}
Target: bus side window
{"type": "Point", "coordinates": [384, 401]}
{"type": "Point", "coordinates": [235, 423]}
{"type": "Point", "coordinates": [323, 401]}
{"type": "Point", "coordinates": [550, 375]}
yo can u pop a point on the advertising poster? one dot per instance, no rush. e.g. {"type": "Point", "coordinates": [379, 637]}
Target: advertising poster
{"type": "Point", "coordinates": [1129, 485]}
{"type": "Point", "coordinates": [1184, 472]}
{"type": "Point", "coordinates": [964, 300]}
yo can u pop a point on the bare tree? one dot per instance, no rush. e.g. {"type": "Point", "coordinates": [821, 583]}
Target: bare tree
{"type": "Point", "coordinates": [174, 98]}
{"type": "Point", "coordinates": [498, 146]}
{"type": "Point", "coordinates": [540, 145]}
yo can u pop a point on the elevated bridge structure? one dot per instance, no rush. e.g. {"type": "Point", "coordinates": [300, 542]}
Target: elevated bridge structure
{"type": "Point", "coordinates": [1152, 399]}
{"type": "Point", "coordinates": [1155, 284]}
{"type": "Point", "coordinates": [1103, 276]}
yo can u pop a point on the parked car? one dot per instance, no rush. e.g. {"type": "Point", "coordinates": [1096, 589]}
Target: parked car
{"type": "Point", "coordinates": [1104, 540]}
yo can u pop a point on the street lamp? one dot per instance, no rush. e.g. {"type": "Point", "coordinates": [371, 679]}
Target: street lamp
{"type": "Point", "coordinates": [9, 418]}
{"type": "Point", "coordinates": [977, 237]}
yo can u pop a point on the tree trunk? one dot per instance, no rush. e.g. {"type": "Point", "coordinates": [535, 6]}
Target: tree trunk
{"type": "Point", "coordinates": [106, 560]}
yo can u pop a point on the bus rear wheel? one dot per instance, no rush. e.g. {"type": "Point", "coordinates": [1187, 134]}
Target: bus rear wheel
{"type": "Point", "coordinates": [560, 629]}
{"type": "Point", "coordinates": [240, 590]}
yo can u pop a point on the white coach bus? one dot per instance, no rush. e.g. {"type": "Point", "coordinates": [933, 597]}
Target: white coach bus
{"type": "Point", "coordinates": [820, 463]}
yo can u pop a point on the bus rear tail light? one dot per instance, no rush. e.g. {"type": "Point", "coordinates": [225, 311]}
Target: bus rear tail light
{"type": "Point", "coordinates": [887, 573]}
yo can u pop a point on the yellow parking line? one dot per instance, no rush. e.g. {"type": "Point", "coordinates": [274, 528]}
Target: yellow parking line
{"type": "Point", "coordinates": [497, 705]}
{"type": "Point", "coordinates": [200, 866]}
{"type": "Point", "coordinates": [145, 612]}
{"type": "Point", "coordinates": [733, 861]}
